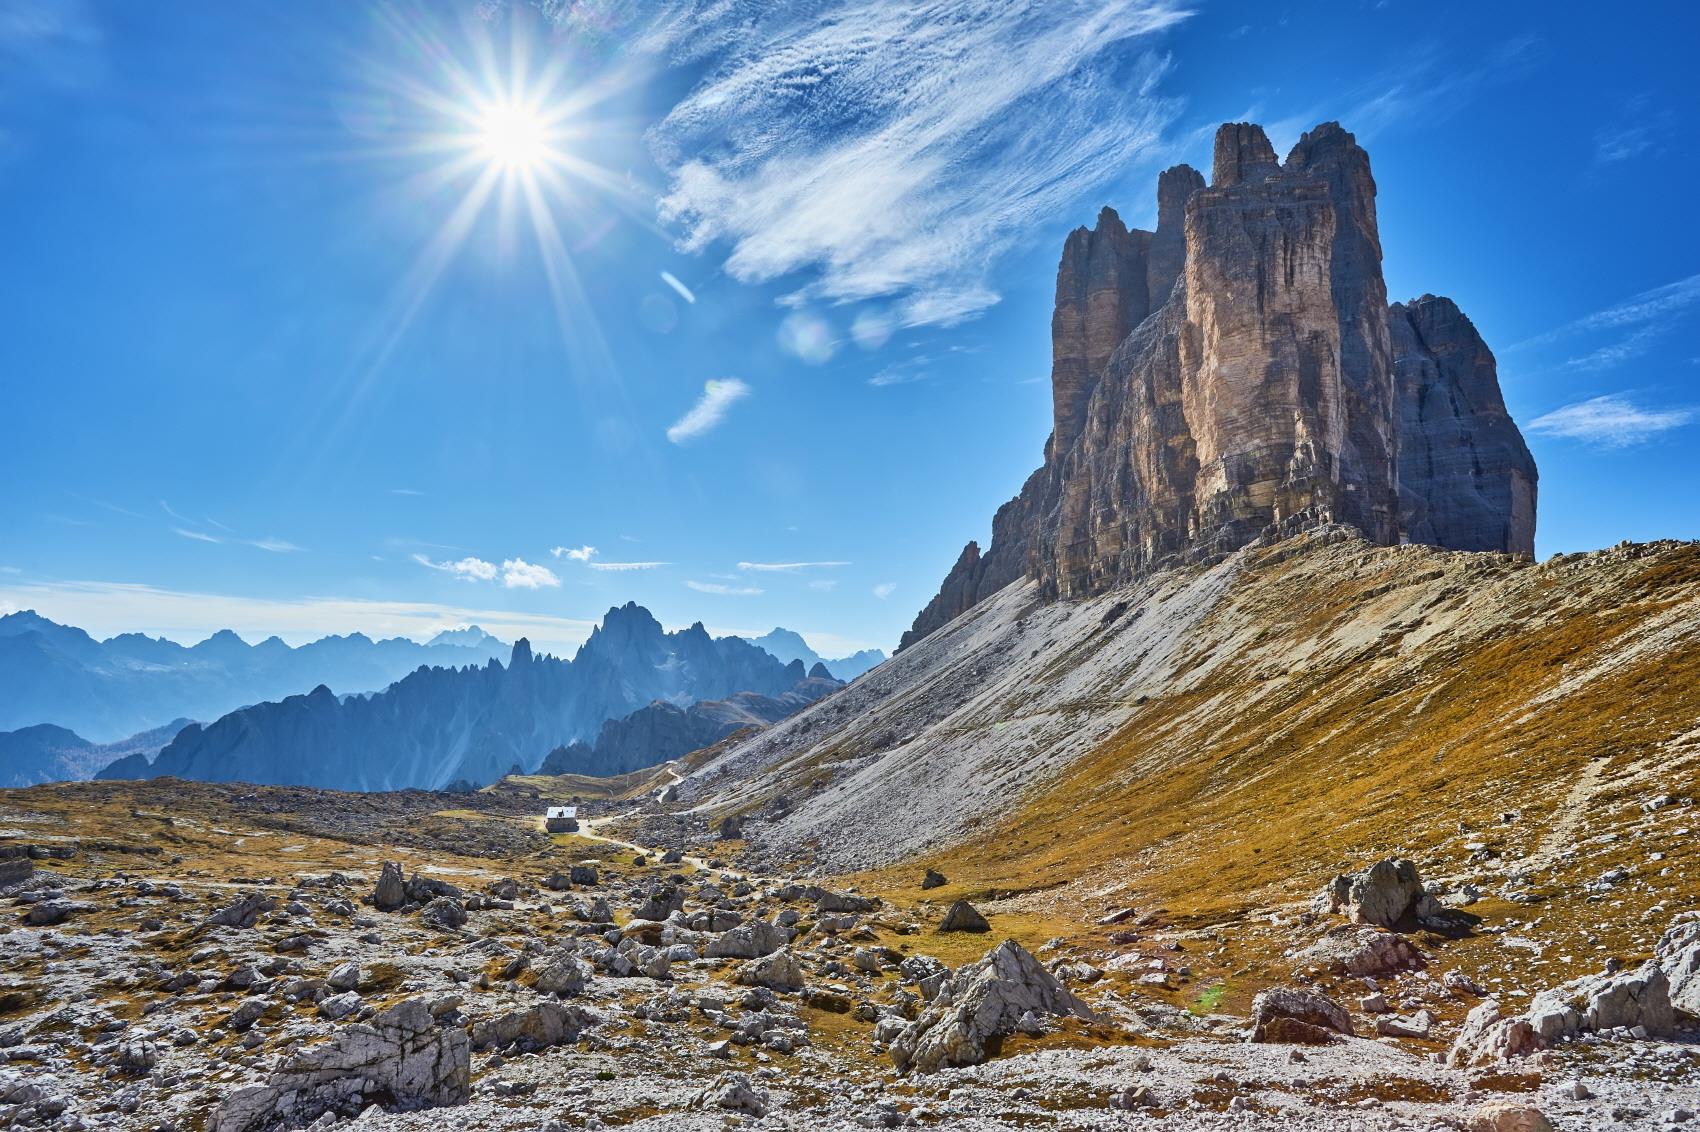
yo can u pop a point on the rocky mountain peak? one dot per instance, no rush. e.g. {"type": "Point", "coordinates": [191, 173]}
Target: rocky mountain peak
{"type": "Point", "coordinates": [1239, 372]}
{"type": "Point", "coordinates": [1243, 155]}
{"type": "Point", "coordinates": [521, 654]}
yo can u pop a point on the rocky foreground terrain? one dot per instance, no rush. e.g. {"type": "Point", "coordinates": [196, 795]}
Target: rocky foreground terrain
{"type": "Point", "coordinates": [188, 956]}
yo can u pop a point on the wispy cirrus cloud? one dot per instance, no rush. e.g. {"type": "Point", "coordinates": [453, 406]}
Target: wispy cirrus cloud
{"type": "Point", "coordinates": [897, 149]}
{"type": "Point", "coordinates": [197, 536]}
{"type": "Point", "coordinates": [1641, 127]}
{"type": "Point", "coordinates": [467, 569]}
{"type": "Point", "coordinates": [1612, 420]}
{"type": "Point", "coordinates": [724, 589]}
{"type": "Point", "coordinates": [885, 590]}
{"type": "Point", "coordinates": [1648, 306]}
{"type": "Point", "coordinates": [710, 409]}
{"type": "Point", "coordinates": [621, 567]}
{"type": "Point", "coordinates": [788, 567]}
{"type": "Point", "coordinates": [1635, 325]}
{"type": "Point", "coordinates": [275, 545]}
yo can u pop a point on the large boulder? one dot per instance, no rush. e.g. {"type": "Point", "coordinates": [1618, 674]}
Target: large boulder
{"type": "Point", "coordinates": [402, 1058]}
{"type": "Point", "coordinates": [988, 1000]}
{"type": "Point", "coordinates": [748, 941]}
{"type": "Point", "coordinates": [779, 971]}
{"type": "Point", "coordinates": [1606, 1002]}
{"type": "Point", "coordinates": [535, 1027]}
{"type": "Point", "coordinates": [1678, 953]}
{"type": "Point", "coordinates": [1489, 1036]}
{"type": "Point", "coordinates": [1364, 952]}
{"type": "Point", "coordinates": [964, 917]}
{"type": "Point", "coordinates": [1294, 1015]}
{"type": "Point", "coordinates": [244, 911]}
{"type": "Point", "coordinates": [1384, 895]}
{"type": "Point", "coordinates": [390, 892]}
{"type": "Point", "coordinates": [563, 973]}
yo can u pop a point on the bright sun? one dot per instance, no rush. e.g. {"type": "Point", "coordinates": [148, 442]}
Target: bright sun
{"type": "Point", "coordinates": [513, 137]}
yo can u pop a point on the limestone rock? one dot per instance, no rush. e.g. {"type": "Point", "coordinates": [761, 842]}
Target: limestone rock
{"type": "Point", "coordinates": [402, 1058]}
{"type": "Point", "coordinates": [751, 940]}
{"type": "Point", "coordinates": [535, 1027]}
{"type": "Point", "coordinates": [1383, 894]}
{"type": "Point", "coordinates": [1489, 1037]}
{"type": "Point", "coordinates": [778, 971]}
{"type": "Point", "coordinates": [243, 911]}
{"type": "Point", "coordinates": [1506, 1116]}
{"type": "Point", "coordinates": [987, 1000]}
{"type": "Point", "coordinates": [1303, 1017]}
{"type": "Point", "coordinates": [1239, 374]}
{"type": "Point", "coordinates": [1678, 952]}
{"type": "Point", "coordinates": [390, 892]}
{"type": "Point", "coordinates": [1364, 953]}
{"type": "Point", "coordinates": [964, 917]}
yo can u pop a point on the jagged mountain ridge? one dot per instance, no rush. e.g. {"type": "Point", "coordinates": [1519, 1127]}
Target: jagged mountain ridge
{"type": "Point", "coordinates": [665, 730]}
{"type": "Point", "coordinates": [1239, 371]}
{"type": "Point", "coordinates": [107, 690]}
{"type": "Point", "coordinates": [789, 645]}
{"type": "Point", "coordinates": [44, 752]}
{"type": "Point", "coordinates": [442, 725]}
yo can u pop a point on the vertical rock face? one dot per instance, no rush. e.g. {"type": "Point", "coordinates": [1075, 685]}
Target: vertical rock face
{"type": "Point", "coordinates": [1238, 372]}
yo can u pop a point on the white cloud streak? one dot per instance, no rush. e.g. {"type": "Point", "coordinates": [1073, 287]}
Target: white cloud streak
{"type": "Point", "coordinates": [467, 569]}
{"type": "Point", "coordinates": [276, 545]}
{"type": "Point", "coordinates": [725, 590]}
{"type": "Point", "coordinates": [620, 567]}
{"type": "Point", "coordinates": [710, 409]}
{"type": "Point", "coordinates": [683, 291]}
{"type": "Point", "coordinates": [898, 148]}
{"type": "Point", "coordinates": [1612, 421]}
{"type": "Point", "coordinates": [788, 567]}
{"type": "Point", "coordinates": [198, 536]}
{"type": "Point", "coordinates": [1667, 301]}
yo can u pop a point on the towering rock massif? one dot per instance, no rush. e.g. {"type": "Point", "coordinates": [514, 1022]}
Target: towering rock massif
{"type": "Point", "coordinates": [1239, 372]}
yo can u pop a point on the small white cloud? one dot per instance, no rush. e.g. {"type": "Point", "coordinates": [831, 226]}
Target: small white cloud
{"type": "Point", "coordinates": [717, 397]}
{"type": "Point", "coordinates": [405, 491]}
{"type": "Point", "coordinates": [672, 281]}
{"type": "Point", "coordinates": [620, 567]}
{"type": "Point", "coordinates": [467, 569]}
{"type": "Point", "coordinates": [574, 554]}
{"type": "Point", "coordinates": [1611, 420]}
{"type": "Point", "coordinates": [787, 567]}
{"type": "Point", "coordinates": [885, 590]}
{"type": "Point", "coordinates": [724, 589]}
{"type": "Point", "coordinates": [518, 574]}
{"type": "Point", "coordinates": [198, 536]}
{"type": "Point", "coordinates": [276, 545]}
{"type": "Point", "coordinates": [823, 584]}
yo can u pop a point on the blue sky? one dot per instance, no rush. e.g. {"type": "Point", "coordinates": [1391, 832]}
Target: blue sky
{"type": "Point", "coordinates": [774, 341]}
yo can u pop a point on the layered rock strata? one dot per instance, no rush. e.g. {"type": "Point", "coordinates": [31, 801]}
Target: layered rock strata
{"type": "Point", "coordinates": [1239, 372]}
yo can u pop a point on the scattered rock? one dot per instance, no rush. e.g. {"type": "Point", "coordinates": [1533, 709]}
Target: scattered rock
{"type": "Point", "coordinates": [964, 917]}
{"type": "Point", "coordinates": [778, 971]}
{"type": "Point", "coordinates": [933, 879]}
{"type": "Point", "coordinates": [390, 892]}
{"type": "Point", "coordinates": [1386, 894]}
{"type": "Point", "coordinates": [1506, 1116]}
{"type": "Point", "coordinates": [987, 1000]}
{"type": "Point", "coordinates": [401, 1058]}
{"type": "Point", "coordinates": [1489, 1037]}
{"type": "Point", "coordinates": [1295, 1016]}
